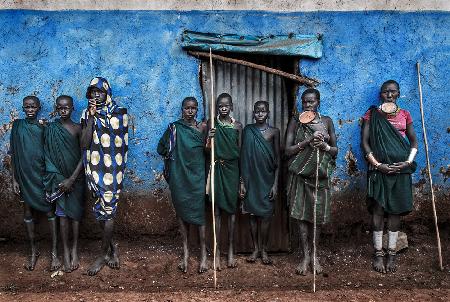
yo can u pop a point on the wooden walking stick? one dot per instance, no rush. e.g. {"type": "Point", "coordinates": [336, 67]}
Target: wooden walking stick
{"type": "Point", "coordinates": [212, 119]}
{"type": "Point", "coordinates": [315, 220]}
{"type": "Point", "coordinates": [433, 203]}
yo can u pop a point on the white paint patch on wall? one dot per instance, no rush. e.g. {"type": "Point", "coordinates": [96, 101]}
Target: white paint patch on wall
{"type": "Point", "coordinates": [262, 5]}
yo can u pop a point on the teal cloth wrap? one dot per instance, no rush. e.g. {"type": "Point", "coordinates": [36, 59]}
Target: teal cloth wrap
{"type": "Point", "coordinates": [27, 149]}
{"type": "Point", "coordinates": [258, 165]}
{"type": "Point", "coordinates": [226, 180]}
{"type": "Point", "coordinates": [62, 154]}
{"type": "Point", "coordinates": [187, 171]}
{"type": "Point", "coordinates": [392, 192]}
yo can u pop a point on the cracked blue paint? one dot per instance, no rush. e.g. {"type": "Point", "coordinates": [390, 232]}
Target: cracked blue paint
{"type": "Point", "coordinates": [53, 53]}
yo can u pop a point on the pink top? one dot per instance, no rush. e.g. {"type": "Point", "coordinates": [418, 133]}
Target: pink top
{"type": "Point", "coordinates": [399, 121]}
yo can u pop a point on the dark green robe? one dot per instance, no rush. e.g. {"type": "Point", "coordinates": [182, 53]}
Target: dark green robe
{"type": "Point", "coordinates": [226, 146]}
{"type": "Point", "coordinates": [392, 192]}
{"type": "Point", "coordinates": [302, 181]}
{"type": "Point", "coordinates": [27, 150]}
{"type": "Point", "coordinates": [62, 155]}
{"type": "Point", "coordinates": [258, 165]}
{"type": "Point", "coordinates": [187, 171]}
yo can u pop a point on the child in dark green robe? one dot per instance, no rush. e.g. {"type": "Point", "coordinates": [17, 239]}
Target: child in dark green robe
{"type": "Point", "coordinates": [28, 169]}
{"type": "Point", "coordinates": [182, 146]}
{"type": "Point", "coordinates": [63, 181]}
{"type": "Point", "coordinates": [260, 161]}
{"type": "Point", "coordinates": [227, 142]}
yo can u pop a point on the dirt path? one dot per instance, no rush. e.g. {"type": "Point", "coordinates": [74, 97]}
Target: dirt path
{"type": "Point", "coordinates": [149, 273]}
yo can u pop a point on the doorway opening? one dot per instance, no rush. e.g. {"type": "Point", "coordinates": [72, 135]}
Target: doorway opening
{"type": "Point", "coordinates": [246, 85]}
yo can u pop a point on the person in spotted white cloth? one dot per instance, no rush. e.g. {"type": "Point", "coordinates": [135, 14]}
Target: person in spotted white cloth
{"type": "Point", "coordinates": [104, 141]}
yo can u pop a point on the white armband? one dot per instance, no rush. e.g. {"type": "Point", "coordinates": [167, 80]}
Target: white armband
{"type": "Point", "coordinates": [412, 155]}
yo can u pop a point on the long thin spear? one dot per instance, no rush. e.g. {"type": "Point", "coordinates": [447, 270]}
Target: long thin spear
{"type": "Point", "coordinates": [315, 220]}
{"type": "Point", "coordinates": [212, 119]}
{"type": "Point", "coordinates": [433, 203]}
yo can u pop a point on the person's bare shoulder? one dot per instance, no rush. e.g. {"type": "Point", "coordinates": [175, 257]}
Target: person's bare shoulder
{"type": "Point", "coordinates": [274, 131]}
{"type": "Point", "coordinates": [327, 119]}
{"type": "Point", "coordinates": [237, 125]}
{"type": "Point", "coordinates": [77, 128]}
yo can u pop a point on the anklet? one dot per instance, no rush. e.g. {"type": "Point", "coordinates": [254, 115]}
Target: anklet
{"type": "Point", "coordinates": [391, 252]}
{"type": "Point", "coordinates": [379, 253]}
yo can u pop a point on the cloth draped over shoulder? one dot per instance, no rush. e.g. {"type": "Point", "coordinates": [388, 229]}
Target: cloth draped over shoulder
{"type": "Point", "coordinates": [62, 155]}
{"type": "Point", "coordinates": [302, 180]}
{"type": "Point", "coordinates": [183, 149]}
{"type": "Point", "coordinates": [27, 150]}
{"type": "Point", "coordinates": [226, 180]}
{"type": "Point", "coordinates": [258, 165]}
{"type": "Point", "coordinates": [392, 192]}
{"type": "Point", "coordinates": [105, 159]}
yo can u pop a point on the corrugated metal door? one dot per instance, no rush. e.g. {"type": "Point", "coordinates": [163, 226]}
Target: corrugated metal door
{"type": "Point", "coordinates": [246, 86]}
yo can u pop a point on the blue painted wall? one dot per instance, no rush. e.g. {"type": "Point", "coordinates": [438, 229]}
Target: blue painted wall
{"type": "Point", "coordinates": [53, 53]}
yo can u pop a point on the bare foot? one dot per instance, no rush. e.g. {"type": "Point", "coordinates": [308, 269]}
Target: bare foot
{"type": "Point", "coordinates": [378, 262]}
{"type": "Point", "coordinates": [32, 261]}
{"type": "Point", "coordinates": [55, 264]}
{"type": "Point", "coordinates": [75, 261]}
{"type": "Point", "coordinates": [232, 262]}
{"type": "Point", "coordinates": [203, 267]}
{"type": "Point", "coordinates": [319, 269]}
{"type": "Point", "coordinates": [391, 266]}
{"type": "Point", "coordinates": [113, 261]}
{"type": "Point", "coordinates": [97, 266]}
{"type": "Point", "coordinates": [218, 268]}
{"type": "Point", "coordinates": [183, 265]}
{"type": "Point", "coordinates": [265, 258]}
{"type": "Point", "coordinates": [67, 268]}
{"type": "Point", "coordinates": [252, 258]}
{"type": "Point", "coordinates": [302, 268]}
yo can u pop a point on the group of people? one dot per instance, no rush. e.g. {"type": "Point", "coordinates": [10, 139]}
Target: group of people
{"type": "Point", "coordinates": [247, 162]}
{"type": "Point", "coordinates": [52, 163]}
{"type": "Point", "coordinates": [48, 159]}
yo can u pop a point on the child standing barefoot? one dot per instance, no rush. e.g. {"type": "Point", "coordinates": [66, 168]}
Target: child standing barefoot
{"type": "Point", "coordinates": [28, 166]}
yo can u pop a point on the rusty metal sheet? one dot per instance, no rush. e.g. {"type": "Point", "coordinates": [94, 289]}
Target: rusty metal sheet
{"type": "Point", "coordinates": [246, 86]}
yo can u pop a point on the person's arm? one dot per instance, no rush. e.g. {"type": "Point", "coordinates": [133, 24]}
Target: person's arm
{"type": "Point", "coordinates": [238, 127]}
{"type": "Point", "coordinates": [210, 134]}
{"type": "Point", "coordinates": [15, 183]}
{"type": "Point", "coordinates": [66, 184]}
{"type": "Point", "coordinates": [411, 135]}
{"type": "Point", "coordinates": [242, 190]}
{"type": "Point", "coordinates": [290, 147]}
{"type": "Point", "coordinates": [88, 129]}
{"type": "Point", "coordinates": [365, 144]}
{"type": "Point", "coordinates": [331, 146]}
{"type": "Point", "coordinates": [163, 144]}
{"type": "Point", "coordinates": [276, 148]}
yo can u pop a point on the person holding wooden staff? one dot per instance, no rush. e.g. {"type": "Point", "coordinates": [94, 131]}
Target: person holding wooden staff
{"type": "Point", "coordinates": [227, 182]}
{"type": "Point", "coordinates": [390, 145]}
{"type": "Point", "coordinates": [308, 133]}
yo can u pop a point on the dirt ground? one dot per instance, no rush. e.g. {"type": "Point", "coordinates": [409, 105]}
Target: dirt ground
{"type": "Point", "coordinates": [149, 273]}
